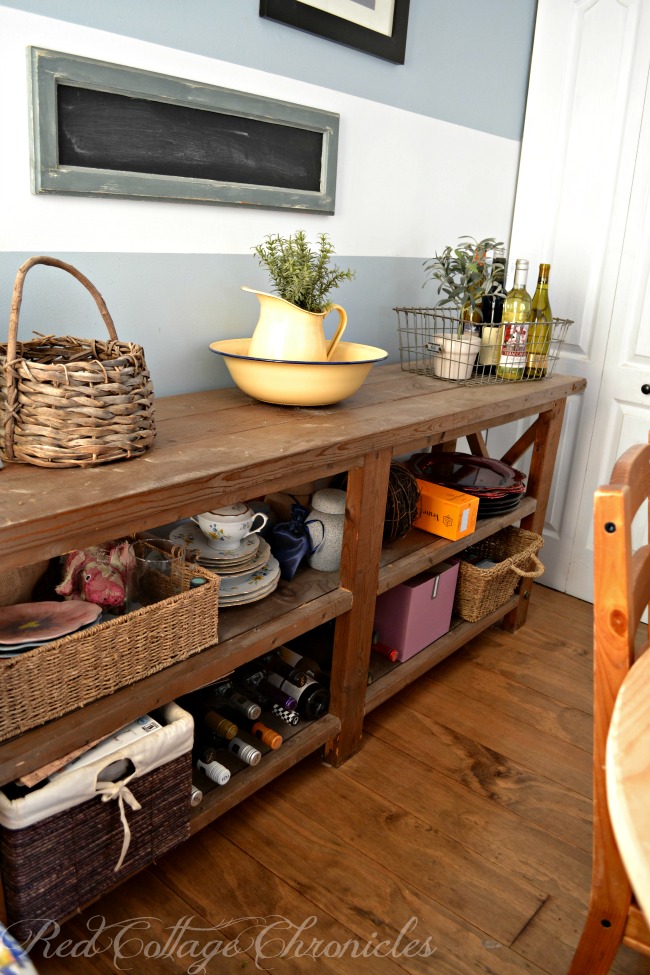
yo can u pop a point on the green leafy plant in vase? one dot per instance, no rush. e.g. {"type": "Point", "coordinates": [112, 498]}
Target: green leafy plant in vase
{"type": "Point", "coordinates": [290, 326]}
{"type": "Point", "coordinates": [463, 275]}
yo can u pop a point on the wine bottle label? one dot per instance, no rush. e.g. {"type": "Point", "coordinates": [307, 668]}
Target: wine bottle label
{"type": "Point", "coordinates": [513, 350]}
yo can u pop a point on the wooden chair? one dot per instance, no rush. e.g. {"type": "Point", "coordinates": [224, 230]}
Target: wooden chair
{"type": "Point", "coordinates": [621, 594]}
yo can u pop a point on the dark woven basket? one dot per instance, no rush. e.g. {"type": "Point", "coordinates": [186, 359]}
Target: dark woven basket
{"type": "Point", "coordinates": [52, 868]}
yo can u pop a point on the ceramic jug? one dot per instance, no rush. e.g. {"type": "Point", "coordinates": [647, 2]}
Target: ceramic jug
{"type": "Point", "coordinates": [326, 529]}
{"type": "Point", "coordinates": [285, 331]}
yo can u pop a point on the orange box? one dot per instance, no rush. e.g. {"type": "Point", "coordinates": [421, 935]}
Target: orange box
{"type": "Point", "coordinates": [443, 511]}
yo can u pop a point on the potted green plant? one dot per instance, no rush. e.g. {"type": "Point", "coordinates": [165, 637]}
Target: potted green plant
{"type": "Point", "coordinates": [291, 320]}
{"type": "Point", "coordinates": [463, 275]}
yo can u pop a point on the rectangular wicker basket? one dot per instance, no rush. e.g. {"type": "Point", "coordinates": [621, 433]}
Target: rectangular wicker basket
{"type": "Point", "coordinates": [61, 844]}
{"type": "Point", "coordinates": [98, 661]}
{"type": "Point", "coordinates": [480, 591]}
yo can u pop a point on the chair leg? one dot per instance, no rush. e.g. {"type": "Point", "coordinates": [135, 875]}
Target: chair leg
{"type": "Point", "coordinates": [599, 943]}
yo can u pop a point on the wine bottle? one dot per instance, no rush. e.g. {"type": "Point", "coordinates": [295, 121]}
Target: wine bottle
{"type": "Point", "coordinates": [214, 771]}
{"type": "Point", "coordinates": [312, 698]}
{"type": "Point", "coordinates": [244, 750]}
{"type": "Point", "coordinates": [257, 729]}
{"type": "Point", "coordinates": [384, 651]}
{"type": "Point", "coordinates": [492, 314]}
{"type": "Point", "coordinates": [219, 725]}
{"type": "Point", "coordinates": [289, 717]}
{"type": "Point", "coordinates": [268, 736]}
{"type": "Point", "coordinates": [516, 320]}
{"type": "Point", "coordinates": [239, 702]}
{"type": "Point", "coordinates": [541, 329]}
{"type": "Point", "coordinates": [258, 684]}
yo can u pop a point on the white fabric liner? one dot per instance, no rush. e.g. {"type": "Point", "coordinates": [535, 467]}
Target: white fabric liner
{"type": "Point", "coordinates": [171, 741]}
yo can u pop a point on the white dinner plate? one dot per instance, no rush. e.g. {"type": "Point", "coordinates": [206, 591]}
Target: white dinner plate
{"type": "Point", "coordinates": [187, 533]}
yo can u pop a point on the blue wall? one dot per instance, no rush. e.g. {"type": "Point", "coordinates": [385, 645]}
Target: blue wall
{"type": "Point", "coordinates": [467, 61]}
{"type": "Point", "coordinates": [428, 152]}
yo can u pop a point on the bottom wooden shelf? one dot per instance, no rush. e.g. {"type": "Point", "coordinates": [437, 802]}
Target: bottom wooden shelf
{"type": "Point", "coordinates": [389, 679]}
{"type": "Point", "coordinates": [307, 739]}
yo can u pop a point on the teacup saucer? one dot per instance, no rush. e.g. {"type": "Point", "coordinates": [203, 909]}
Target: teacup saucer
{"type": "Point", "coordinates": [189, 534]}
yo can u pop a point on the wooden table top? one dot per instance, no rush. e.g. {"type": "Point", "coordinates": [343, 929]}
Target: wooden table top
{"type": "Point", "coordinates": [220, 446]}
{"type": "Point", "coordinates": [628, 777]}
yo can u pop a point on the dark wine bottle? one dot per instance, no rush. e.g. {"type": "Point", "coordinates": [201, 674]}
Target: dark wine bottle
{"type": "Point", "coordinates": [312, 697]}
{"type": "Point", "coordinates": [219, 725]}
{"type": "Point", "coordinates": [257, 683]}
{"type": "Point", "coordinates": [491, 313]}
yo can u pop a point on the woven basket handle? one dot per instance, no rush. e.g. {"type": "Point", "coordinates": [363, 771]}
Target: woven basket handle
{"type": "Point", "coordinates": [534, 573]}
{"type": "Point", "coordinates": [18, 297]}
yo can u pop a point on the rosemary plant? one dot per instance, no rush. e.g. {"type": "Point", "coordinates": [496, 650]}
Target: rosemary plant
{"type": "Point", "coordinates": [299, 274]}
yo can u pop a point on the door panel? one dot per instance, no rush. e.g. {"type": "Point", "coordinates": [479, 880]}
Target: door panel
{"type": "Point", "coordinates": [582, 205]}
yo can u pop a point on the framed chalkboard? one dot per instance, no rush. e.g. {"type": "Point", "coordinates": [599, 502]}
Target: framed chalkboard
{"type": "Point", "coordinates": [101, 129]}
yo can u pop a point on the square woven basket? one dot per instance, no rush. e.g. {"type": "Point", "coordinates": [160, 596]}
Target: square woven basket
{"type": "Point", "coordinates": [480, 591]}
{"type": "Point", "coordinates": [60, 845]}
{"type": "Point", "coordinates": [98, 661]}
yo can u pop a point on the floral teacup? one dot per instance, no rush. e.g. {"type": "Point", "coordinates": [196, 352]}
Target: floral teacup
{"type": "Point", "coordinates": [226, 528]}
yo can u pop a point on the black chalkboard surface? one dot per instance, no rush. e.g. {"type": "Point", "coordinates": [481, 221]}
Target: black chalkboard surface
{"type": "Point", "coordinates": [109, 130]}
{"type": "Point", "coordinates": [103, 130]}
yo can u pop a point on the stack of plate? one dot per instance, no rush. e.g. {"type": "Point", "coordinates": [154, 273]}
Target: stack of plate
{"type": "Point", "coordinates": [27, 625]}
{"type": "Point", "coordinates": [248, 572]}
{"type": "Point", "coordinates": [498, 486]}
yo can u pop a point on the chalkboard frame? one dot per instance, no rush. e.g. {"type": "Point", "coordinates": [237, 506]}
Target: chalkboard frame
{"type": "Point", "coordinates": [49, 69]}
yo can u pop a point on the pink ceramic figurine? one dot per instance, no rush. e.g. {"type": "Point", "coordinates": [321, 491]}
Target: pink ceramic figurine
{"type": "Point", "coordinates": [97, 574]}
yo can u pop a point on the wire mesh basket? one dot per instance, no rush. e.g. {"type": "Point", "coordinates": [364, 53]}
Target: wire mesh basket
{"type": "Point", "coordinates": [436, 342]}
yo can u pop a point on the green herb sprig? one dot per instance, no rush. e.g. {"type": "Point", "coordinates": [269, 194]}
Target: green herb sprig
{"type": "Point", "coordinates": [300, 274]}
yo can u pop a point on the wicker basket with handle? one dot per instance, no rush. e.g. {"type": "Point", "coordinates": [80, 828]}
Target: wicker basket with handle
{"type": "Point", "coordinates": [480, 591]}
{"type": "Point", "coordinates": [70, 402]}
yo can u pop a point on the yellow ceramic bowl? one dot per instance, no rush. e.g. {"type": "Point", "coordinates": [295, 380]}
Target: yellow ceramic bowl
{"type": "Point", "coordinates": [299, 383]}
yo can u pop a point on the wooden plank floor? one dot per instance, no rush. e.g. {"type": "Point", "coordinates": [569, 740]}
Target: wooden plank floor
{"type": "Point", "coordinates": [456, 841]}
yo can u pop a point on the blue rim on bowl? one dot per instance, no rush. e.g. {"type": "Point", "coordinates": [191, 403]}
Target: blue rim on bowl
{"type": "Point", "coordinates": [297, 383]}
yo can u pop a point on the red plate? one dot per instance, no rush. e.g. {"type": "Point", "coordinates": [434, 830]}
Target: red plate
{"type": "Point", "coordinates": [481, 476]}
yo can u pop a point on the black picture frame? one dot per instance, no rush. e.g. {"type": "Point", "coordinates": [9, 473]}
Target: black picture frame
{"type": "Point", "coordinates": [293, 13]}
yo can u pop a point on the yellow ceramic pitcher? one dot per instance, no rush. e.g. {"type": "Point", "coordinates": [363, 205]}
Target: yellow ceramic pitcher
{"type": "Point", "coordinates": [289, 333]}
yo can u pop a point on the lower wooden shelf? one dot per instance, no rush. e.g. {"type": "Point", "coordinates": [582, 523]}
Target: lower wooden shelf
{"type": "Point", "coordinates": [389, 679]}
{"type": "Point", "coordinates": [306, 740]}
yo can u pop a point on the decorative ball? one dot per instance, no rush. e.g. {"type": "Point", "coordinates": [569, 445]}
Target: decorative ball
{"type": "Point", "coordinates": [401, 501]}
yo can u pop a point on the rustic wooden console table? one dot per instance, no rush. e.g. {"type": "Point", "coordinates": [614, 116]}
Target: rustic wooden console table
{"type": "Point", "coordinates": [217, 447]}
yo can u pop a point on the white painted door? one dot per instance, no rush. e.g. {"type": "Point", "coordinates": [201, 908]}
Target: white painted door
{"type": "Point", "coordinates": [583, 204]}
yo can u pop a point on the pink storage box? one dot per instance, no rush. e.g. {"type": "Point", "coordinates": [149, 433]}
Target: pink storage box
{"type": "Point", "coordinates": [412, 615]}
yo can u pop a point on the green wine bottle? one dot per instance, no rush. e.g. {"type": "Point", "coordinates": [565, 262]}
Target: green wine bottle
{"type": "Point", "coordinates": [541, 330]}
{"type": "Point", "coordinates": [516, 320]}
